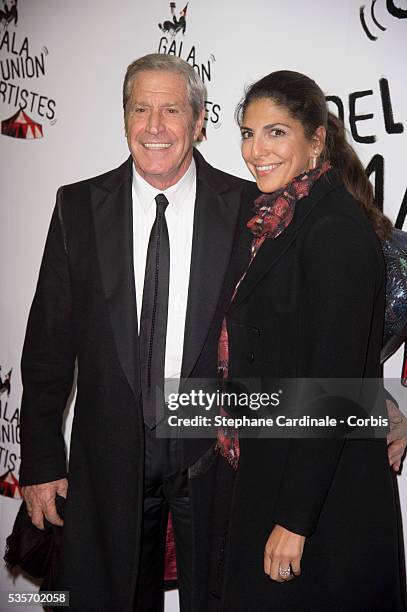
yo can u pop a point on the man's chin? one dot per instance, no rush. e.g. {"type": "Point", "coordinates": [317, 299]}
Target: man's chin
{"type": "Point", "coordinates": [161, 173]}
{"type": "Point", "coordinates": [161, 177]}
{"type": "Point", "coordinates": [155, 172]}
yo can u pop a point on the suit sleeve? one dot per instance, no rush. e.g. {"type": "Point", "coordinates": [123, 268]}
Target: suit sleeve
{"type": "Point", "coordinates": [47, 364]}
{"type": "Point", "coordinates": [342, 274]}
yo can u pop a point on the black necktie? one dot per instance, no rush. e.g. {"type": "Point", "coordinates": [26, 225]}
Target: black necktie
{"type": "Point", "coordinates": [154, 313]}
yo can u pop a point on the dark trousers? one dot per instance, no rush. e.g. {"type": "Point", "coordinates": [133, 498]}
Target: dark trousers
{"type": "Point", "coordinates": [165, 489]}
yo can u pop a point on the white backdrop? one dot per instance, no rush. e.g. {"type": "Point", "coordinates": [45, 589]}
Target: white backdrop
{"type": "Point", "coordinates": [77, 53]}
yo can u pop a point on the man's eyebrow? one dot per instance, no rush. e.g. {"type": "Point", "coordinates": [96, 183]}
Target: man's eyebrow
{"type": "Point", "coordinates": [165, 104]}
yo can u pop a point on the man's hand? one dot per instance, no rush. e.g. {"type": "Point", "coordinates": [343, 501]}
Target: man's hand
{"type": "Point", "coordinates": [283, 551]}
{"type": "Point", "coordinates": [397, 436]}
{"type": "Point", "coordinates": [40, 500]}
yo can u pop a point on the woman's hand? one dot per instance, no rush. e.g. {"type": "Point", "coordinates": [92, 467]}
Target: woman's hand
{"type": "Point", "coordinates": [397, 436]}
{"type": "Point", "coordinates": [283, 549]}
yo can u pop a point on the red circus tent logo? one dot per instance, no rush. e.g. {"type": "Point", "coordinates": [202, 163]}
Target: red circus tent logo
{"type": "Point", "coordinates": [9, 485]}
{"type": "Point", "coordinates": [21, 125]}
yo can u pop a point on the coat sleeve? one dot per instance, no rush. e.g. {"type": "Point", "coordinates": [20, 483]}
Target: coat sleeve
{"type": "Point", "coordinates": [47, 364]}
{"type": "Point", "coordinates": [342, 274]}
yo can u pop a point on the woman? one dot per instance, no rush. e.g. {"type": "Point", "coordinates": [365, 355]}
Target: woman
{"type": "Point", "coordinates": [313, 524]}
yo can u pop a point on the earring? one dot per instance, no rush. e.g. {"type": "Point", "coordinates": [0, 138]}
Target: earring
{"type": "Point", "coordinates": [314, 160]}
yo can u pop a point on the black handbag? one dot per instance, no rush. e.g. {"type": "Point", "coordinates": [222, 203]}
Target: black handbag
{"type": "Point", "coordinates": [36, 551]}
{"type": "Point", "coordinates": [395, 327]}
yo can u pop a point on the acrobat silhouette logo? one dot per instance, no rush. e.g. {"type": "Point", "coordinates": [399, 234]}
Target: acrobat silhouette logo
{"type": "Point", "coordinates": [8, 14]}
{"type": "Point", "coordinates": [5, 384]}
{"type": "Point", "coordinates": [392, 9]}
{"type": "Point", "coordinates": [177, 24]}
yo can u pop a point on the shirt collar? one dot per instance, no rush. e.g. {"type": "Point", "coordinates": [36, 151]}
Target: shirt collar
{"type": "Point", "coordinates": [177, 194]}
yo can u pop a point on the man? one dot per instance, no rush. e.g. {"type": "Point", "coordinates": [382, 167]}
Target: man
{"type": "Point", "coordinates": [92, 304]}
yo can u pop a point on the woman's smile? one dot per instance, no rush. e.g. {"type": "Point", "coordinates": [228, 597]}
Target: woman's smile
{"type": "Point", "coordinates": [265, 169]}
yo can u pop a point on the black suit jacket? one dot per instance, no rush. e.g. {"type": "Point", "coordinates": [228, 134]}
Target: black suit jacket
{"type": "Point", "coordinates": [84, 309]}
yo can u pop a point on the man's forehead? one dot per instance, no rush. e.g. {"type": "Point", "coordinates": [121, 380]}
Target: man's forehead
{"type": "Point", "coordinates": [152, 96]}
{"type": "Point", "coordinates": [159, 83]}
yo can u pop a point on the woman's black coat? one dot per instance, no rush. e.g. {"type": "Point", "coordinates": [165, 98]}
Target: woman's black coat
{"type": "Point", "coordinates": [312, 305]}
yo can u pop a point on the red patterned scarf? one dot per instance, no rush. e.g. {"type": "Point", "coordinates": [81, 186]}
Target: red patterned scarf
{"type": "Point", "coordinates": [274, 213]}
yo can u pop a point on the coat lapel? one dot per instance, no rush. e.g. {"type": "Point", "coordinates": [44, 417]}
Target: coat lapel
{"type": "Point", "coordinates": [113, 218]}
{"type": "Point", "coordinates": [217, 207]}
{"type": "Point", "coordinates": [273, 249]}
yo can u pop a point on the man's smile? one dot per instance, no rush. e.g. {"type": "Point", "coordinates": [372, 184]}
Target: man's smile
{"type": "Point", "coordinates": [157, 145]}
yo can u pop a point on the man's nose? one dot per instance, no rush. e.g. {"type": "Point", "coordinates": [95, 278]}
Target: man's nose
{"type": "Point", "coordinates": [155, 122]}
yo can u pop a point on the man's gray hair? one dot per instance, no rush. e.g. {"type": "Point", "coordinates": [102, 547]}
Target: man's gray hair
{"type": "Point", "coordinates": [159, 61]}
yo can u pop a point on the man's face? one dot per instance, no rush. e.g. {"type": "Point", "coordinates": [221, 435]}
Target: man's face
{"type": "Point", "coordinates": [160, 128]}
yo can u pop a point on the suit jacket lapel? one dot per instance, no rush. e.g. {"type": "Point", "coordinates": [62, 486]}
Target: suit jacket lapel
{"type": "Point", "coordinates": [273, 249]}
{"type": "Point", "coordinates": [113, 218]}
{"type": "Point", "coordinates": [216, 213]}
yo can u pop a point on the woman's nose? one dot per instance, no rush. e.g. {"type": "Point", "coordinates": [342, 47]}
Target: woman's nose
{"type": "Point", "coordinates": [259, 148]}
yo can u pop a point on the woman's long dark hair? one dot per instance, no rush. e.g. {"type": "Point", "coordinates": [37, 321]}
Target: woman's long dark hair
{"type": "Point", "coordinates": [306, 102]}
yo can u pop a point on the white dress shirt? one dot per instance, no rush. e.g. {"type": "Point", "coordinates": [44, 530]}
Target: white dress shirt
{"type": "Point", "coordinates": [179, 215]}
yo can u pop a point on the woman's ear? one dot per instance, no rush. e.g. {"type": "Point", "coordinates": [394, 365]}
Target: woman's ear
{"type": "Point", "coordinates": [317, 146]}
{"type": "Point", "coordinates": [318, 141]}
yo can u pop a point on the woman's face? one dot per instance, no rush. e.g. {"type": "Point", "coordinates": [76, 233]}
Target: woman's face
{"type": "Point", "coordinates": [274, 145]}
